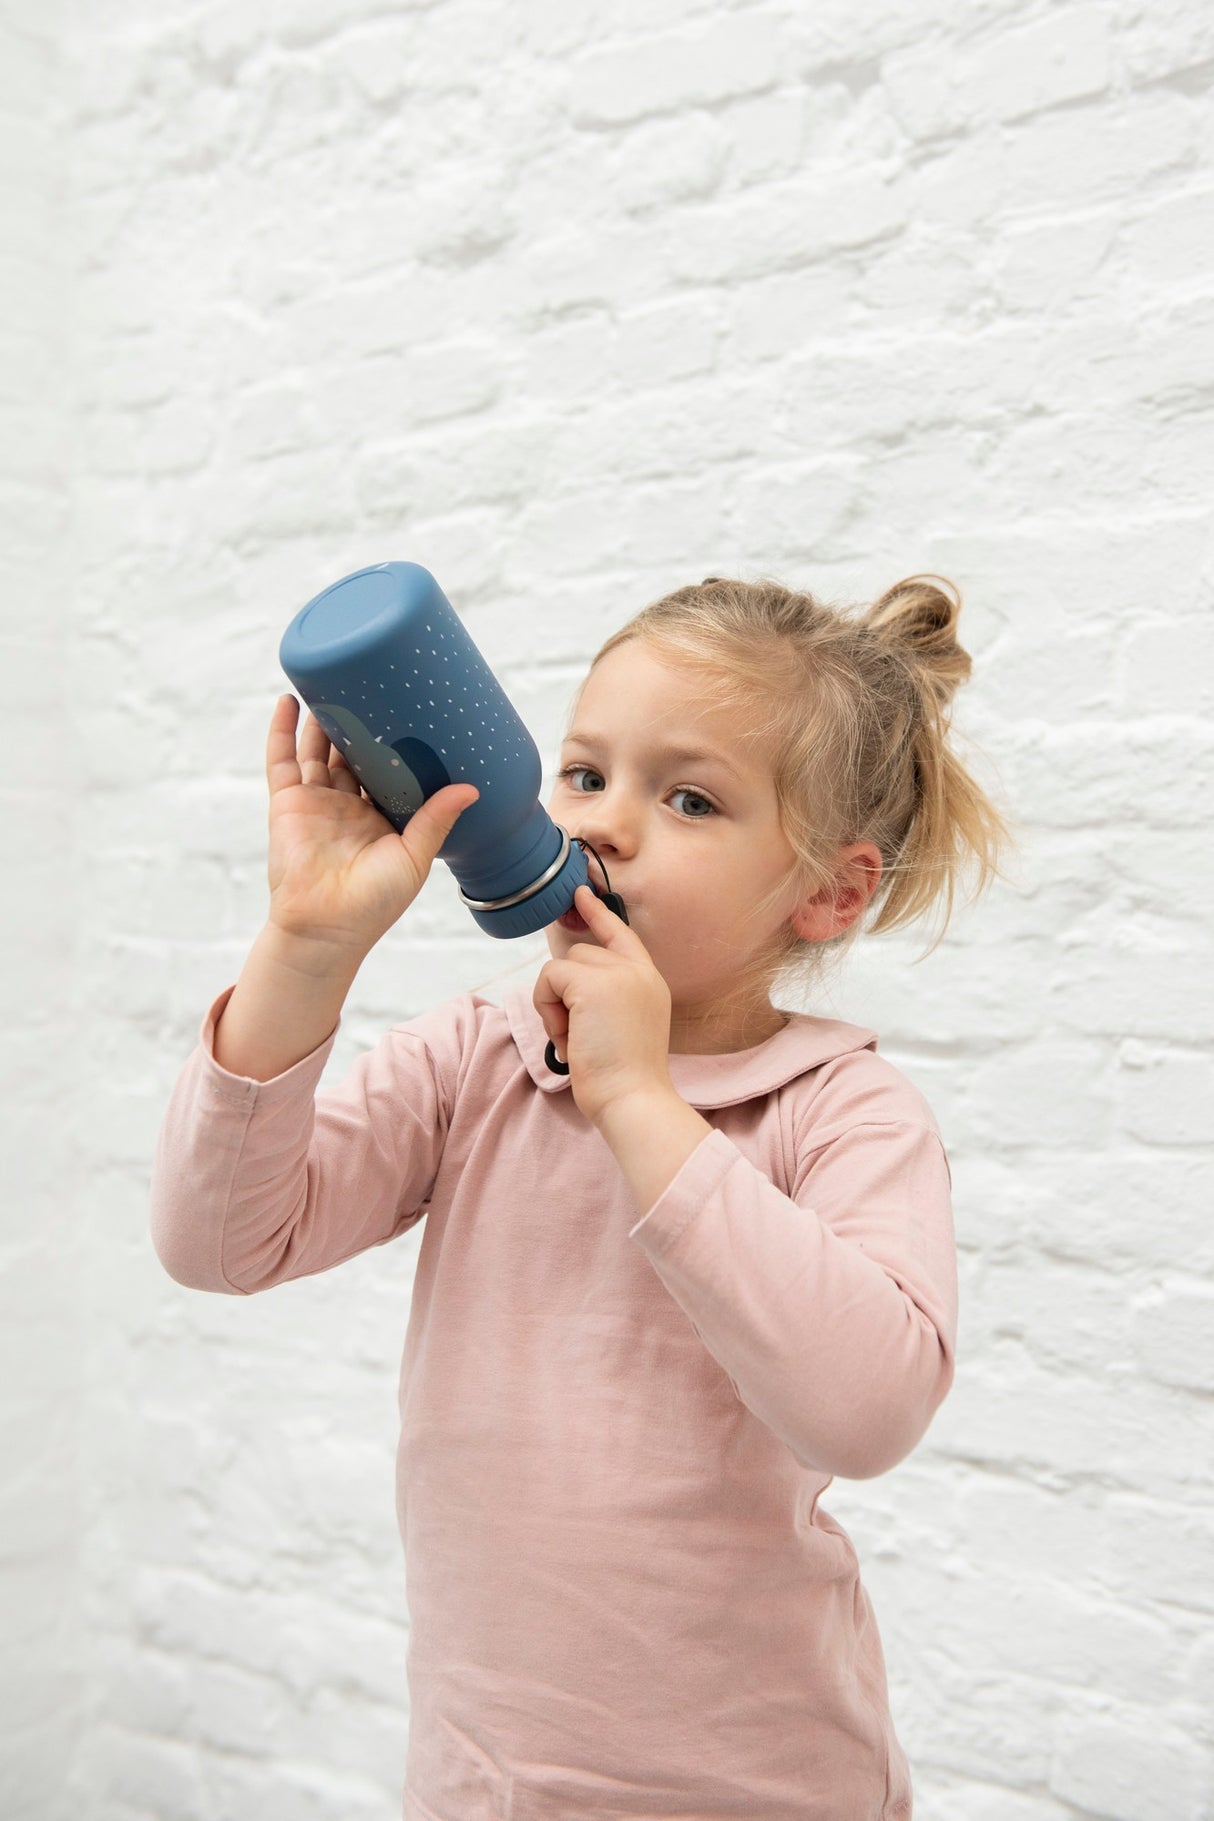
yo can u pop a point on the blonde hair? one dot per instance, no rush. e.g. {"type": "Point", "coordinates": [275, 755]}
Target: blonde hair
{"type": "Point", "coordinates": [851, 710]}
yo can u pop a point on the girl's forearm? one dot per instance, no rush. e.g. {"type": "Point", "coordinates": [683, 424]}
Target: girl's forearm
{"type": "Point", "coordinates": [652, 1136]}
{"type": "Point", "coordinates": [287, 1000]}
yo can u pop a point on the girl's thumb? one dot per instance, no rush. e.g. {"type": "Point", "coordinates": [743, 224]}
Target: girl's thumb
{"type": "Point", "coordinates": [438, 816]}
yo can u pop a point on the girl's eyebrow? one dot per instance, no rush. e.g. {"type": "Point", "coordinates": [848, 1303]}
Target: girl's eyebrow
{"type": "Point", "coordinates": [682, 755]}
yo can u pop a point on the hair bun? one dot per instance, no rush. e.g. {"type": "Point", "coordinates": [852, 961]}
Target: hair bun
{"type": "Point", "coordinates": [918, 617]}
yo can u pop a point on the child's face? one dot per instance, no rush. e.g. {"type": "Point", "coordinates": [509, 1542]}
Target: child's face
{"type": "Point", "coordinates": [691, 844]}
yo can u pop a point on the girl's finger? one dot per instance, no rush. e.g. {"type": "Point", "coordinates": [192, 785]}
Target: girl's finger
{"type": "Point", "coordinates": [425, 832]}
{"type": "Point", "coordinates": [282, 765]}
{"type": "Point", "coordinates": [314, 752]}
{"type": "Point", "coordinates": [341, 774]}
{"type": "Point", "coordinates": [606, 927]}
{"type": "Point", "coordinates": [553, 1012]}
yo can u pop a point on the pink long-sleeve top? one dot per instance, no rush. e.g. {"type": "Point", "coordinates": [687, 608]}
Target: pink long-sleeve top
{"type": "Point", "coordinates": [617, 1422]}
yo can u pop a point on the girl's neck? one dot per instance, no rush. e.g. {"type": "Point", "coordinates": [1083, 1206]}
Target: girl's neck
{"type": "Point", "coordinates": [721, 1033]}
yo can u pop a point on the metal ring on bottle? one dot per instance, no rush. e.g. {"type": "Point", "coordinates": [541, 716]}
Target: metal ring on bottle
{"type": "Point", "coordinates": [546, 878]}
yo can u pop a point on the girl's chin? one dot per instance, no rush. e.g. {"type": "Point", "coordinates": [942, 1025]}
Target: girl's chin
{"type": "Point", "coordinates": [574, 922]}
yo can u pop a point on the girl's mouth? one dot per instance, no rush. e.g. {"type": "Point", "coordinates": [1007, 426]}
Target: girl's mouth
{"type": "Point", "coordinates": [577, 925]}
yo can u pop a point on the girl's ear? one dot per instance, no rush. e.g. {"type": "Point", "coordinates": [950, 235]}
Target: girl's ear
{"type": "Point", "coordinates": [837, 905]}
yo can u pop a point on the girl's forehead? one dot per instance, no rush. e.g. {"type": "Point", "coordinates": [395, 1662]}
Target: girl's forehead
{"type": "Point", "coordinates": [635, 669]}
{"type": "Point", "coordinates": [635, 692]}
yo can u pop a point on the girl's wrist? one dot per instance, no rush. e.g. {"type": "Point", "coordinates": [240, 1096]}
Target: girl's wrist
{"type": "Point", "coordinates": [312, 957]}
{"type": "Point", "coordinates": [652, 1133]}
{"type": "Point", "coordinates": [287, 1002]}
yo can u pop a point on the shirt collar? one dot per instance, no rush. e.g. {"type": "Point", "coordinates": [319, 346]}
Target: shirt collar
{"type": "Point", "coordinates": [705, 1081]}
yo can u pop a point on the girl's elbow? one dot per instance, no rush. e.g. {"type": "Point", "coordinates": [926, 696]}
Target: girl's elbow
{"type": "Point", "coordinates": [868, 1456]}
{"type": "Point", "coordinates": [188, 1263]}
{"type": "Point", "coordinates": [883, 1430]}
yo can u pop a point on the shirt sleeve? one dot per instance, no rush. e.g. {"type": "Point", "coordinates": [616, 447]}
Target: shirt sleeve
{"type": "Point", "coordinates": [834, 1309]}
{"type": "Point", "coordinates": [254, 1182]}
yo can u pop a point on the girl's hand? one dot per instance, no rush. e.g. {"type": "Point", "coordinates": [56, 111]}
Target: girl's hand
{"type": "Point", "coordinates": [607, 1011]}
{"type": "Point", "coordinates": [339, 872]}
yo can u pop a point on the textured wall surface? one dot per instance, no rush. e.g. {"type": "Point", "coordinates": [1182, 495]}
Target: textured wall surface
{"type": "Point", "coordinates": [573, 304]}
{"type": "Point", "coordinates": [42, 1311]}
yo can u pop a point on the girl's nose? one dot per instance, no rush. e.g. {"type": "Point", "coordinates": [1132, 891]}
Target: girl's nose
{"type": "Point", "coordinates": [605, 824]}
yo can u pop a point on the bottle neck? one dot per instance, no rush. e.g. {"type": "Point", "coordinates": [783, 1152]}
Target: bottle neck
{"type": "Point", "coordinates": [489, 867]}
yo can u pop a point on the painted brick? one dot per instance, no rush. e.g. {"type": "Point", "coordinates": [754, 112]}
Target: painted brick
{"type": "Point", "coordinates": [1136, 1562]}
{"type": "Point", "coordinates": [1167, 1094]}
{"type": "Point", "coordinates": [666, 161]}
{"type": "Point", "coordinates": [1064, 57]}
{"type": "Point", "coordinates": [1174, 1335]}
{"type": "Point", "coordinates": [736, 55]}
{"type": "Point", "coordinates": [1107, 1765]}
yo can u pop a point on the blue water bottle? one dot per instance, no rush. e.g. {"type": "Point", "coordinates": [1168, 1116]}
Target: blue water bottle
{"type": "Point", "coordinates": [387, 668]}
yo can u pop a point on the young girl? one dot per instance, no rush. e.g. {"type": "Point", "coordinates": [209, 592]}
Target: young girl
{"type": "Point", "coordinates": [661, 1299]}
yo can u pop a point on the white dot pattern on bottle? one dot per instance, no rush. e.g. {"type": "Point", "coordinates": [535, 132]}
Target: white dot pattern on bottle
{"type": "Point", "coordinates": [475, 765]}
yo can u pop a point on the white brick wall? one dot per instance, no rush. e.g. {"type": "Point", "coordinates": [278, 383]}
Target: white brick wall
{"type": "Point", "coordinates": [574, 304]}
{"type": "Point", "coordinates": [43, 1325]}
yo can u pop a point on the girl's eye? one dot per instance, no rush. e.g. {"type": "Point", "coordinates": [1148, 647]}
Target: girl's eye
{"type": "Point", "coordinates": [698, 805]}
{"type": "Point", "coordinates": [581, 771]}
{"type": "Point", "coordinates": [586, 782]}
